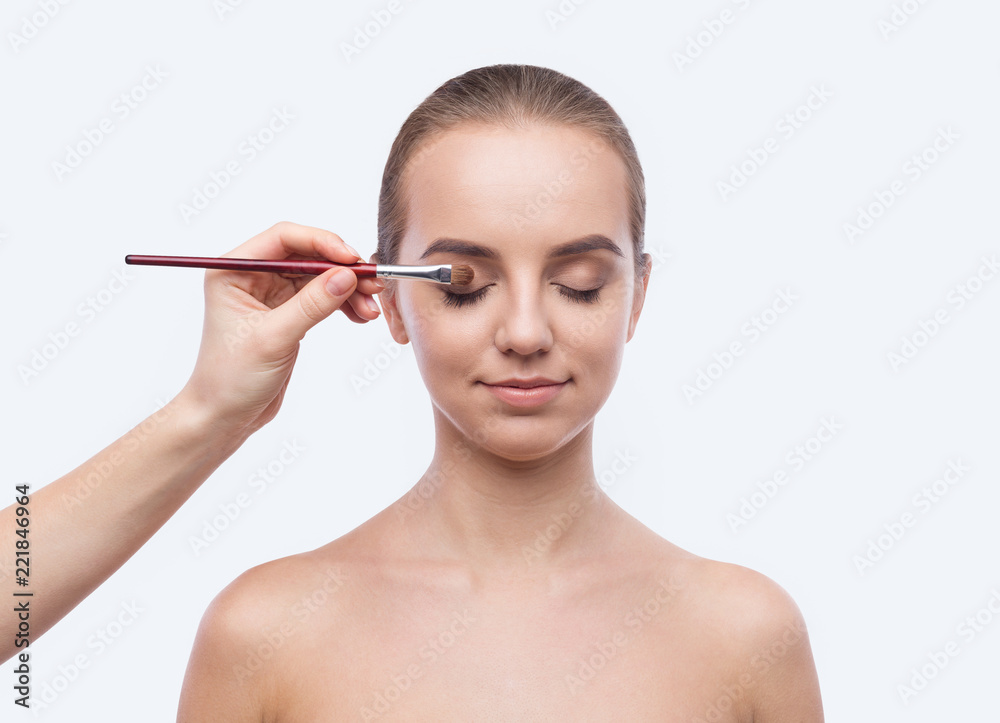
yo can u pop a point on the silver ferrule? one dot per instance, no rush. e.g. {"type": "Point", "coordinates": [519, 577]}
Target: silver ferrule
{"type": "Point", "coordinates": [440, 273]}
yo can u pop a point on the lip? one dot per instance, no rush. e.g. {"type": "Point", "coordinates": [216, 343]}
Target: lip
{"type": "Point", "coordinates": [525, 383]}
{"type": "Point", "coordinates": [526, 392]}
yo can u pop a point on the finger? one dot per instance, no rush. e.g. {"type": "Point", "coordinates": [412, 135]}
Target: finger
{"type": "Point", "coordinates": [314, 302]}
{"type": "Point", "coordinates": [363, 305]}
{"type": "Point", "coordinates": [371, 286]}
{"type": "Point", "coordinates": [286, 239]}
{"type": "Point", "coordinates": [351, 314]}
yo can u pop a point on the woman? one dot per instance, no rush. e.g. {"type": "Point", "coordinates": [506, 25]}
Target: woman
{"type": "Point", "coordinates": [506, 585]}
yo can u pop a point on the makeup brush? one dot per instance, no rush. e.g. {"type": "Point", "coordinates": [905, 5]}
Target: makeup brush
{"type": "Point", "coordinates": [459, 274]}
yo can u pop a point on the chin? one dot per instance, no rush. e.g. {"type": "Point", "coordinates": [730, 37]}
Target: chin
{"type": "Point", "coordinates": [522, 437]}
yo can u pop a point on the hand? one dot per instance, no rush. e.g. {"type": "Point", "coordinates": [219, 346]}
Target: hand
{"type": "Point", "coordinates": [254, 322]}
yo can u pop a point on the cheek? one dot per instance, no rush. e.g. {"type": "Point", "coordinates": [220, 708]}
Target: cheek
{"type": "Point", "coordinates": [444, 343]}
{"type": "Point", "coordinates": [598, 332]}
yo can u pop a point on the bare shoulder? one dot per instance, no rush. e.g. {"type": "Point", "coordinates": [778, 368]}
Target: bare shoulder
{"type": "Point", "coordinates": [737, 602]}
{"type": "Point", "coordinates": [291, 589]}
{"type": "Point", "coordinates": [278, 594]}
{"type": "Point", "coordinates": [743, 625]}
{"type": "Point", "coordinates": [252, 628]}
{"type": "Point", "coordinates": [767, 656]}
{"type": "Point", "coordinates": [269, 604]}
{"type": "Point", "coordinates": [744, 603]}
{"type": "Point", "coordinates": [282, 595]}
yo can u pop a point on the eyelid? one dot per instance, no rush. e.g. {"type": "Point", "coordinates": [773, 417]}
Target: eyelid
{"type": "Point", "coordinates": [595, 271]}
{"type": "Point", "coordinates": [589, 295]}
{"type": "Point", "coordinates": [470, 297]}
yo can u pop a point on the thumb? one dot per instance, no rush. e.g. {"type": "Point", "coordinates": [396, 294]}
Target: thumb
{"type": "Point", "coordinates": [315, 301]}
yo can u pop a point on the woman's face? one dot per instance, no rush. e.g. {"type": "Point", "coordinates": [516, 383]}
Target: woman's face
{"type": "Point", "coordinates": [541, 215]}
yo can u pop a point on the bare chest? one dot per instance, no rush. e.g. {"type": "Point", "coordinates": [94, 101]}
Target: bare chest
{"type": "Point", "coordinates": [609, 660]}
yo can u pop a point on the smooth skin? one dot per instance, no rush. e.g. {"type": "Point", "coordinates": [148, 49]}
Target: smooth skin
{"type": "Point", "coordinates": [84, 527]}
{"type": "Point", "coordinates": [506, 585]}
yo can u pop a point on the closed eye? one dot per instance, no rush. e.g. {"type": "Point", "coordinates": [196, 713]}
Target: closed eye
{"type": "Point", "coordinates": [586, 296]}
{"type": "Point", "coordinates": [451, 299]}
{"type": "Point", "coordinates": [577, 295]}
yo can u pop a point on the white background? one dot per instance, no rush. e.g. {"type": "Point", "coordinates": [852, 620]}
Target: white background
{"type": "Point", "coordinates": [722, 261]}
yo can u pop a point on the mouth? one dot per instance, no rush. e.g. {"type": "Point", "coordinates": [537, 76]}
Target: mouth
{"type": "Point", "coordinates": [531, 383]}
{"type": "Point", "coordinates": [526, 392]}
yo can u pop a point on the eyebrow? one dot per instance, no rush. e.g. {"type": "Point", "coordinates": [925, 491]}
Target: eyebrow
{"type": "Point", "coordinates": [570, 248]}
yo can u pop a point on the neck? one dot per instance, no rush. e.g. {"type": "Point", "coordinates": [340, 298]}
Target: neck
{"type": "Point", "coordinates": [515, 519]}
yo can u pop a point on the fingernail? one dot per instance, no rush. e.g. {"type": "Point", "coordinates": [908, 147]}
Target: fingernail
{"type": "Point", "coordinates": [352, 250]}
{"type": "Point", "coordinates": [340, 282]}
{"type": "Point", "coordinates": [371, 304]}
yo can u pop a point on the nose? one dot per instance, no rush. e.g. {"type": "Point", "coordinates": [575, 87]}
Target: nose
{"type": "Point", "coordinates": [524, 326]}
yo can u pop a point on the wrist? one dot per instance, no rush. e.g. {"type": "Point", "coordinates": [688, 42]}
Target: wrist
{"type": "Point", "coordinates": [202, 422]}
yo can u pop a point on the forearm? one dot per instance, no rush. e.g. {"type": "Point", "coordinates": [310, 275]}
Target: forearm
{"type": "Point", "coordinates": [85, 525]}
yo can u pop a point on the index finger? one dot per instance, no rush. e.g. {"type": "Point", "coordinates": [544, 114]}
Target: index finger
{"type": "Point", "coordinates": [285, 239]}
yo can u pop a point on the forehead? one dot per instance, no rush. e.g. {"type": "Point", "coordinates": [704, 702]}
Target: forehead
{"type": "Point", "coordinates": [531, 187]}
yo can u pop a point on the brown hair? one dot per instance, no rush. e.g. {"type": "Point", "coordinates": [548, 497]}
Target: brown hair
{"type": "Point", "coordinates": [511, 96]}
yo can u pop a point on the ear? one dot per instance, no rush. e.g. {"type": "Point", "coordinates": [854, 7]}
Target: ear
{"type": "Point", "coordinates": [390, 307]}
{"type": "Point", "coordinates": [640, 294]}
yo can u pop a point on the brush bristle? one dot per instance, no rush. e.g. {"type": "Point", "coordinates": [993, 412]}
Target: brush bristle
{"type": "Point", "coordinates": [461, 275]}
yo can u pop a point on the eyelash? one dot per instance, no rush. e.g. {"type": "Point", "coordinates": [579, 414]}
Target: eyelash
{"type": "Point", "coordinates": [588, 296]}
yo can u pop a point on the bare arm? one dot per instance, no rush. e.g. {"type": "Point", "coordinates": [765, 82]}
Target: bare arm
{"type": "Point", "coordinates": [221, 685]}
{"type": "Point", "coordinates": [781, 669]}
{"type": "Point", "coordinates": [85, 525]}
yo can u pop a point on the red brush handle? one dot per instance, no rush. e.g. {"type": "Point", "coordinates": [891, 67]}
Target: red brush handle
{"type": "Point", "coordinates": [287, 266]}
